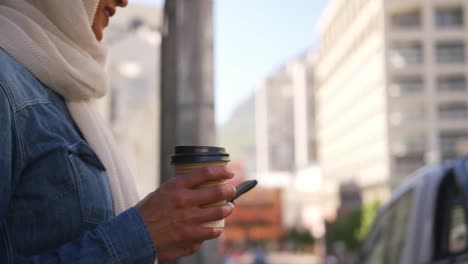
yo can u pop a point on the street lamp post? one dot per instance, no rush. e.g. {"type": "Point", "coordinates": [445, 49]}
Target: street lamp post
{"type": "Point", "coordinates": [187, 101]}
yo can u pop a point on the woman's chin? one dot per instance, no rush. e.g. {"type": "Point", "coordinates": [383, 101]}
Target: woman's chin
{"type": "Point", "coordinates": [98, 34]}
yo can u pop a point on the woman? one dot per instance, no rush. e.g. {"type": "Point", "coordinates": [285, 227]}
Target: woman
{"type": "Point", "coordinates": [65, 196]}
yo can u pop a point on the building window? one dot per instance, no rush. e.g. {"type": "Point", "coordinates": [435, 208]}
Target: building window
{"type": "Point", "coordinates": [406, 85]}
{"type": "Point", "coordinates": [447, 17]}
{"type": "Point", "coordinates": [409, 145]}
{"type": "Point", "coordinates": [407, 20]}
{"type": "Point", "coordinates": [451, 143]}
{"type": "Point", "coordinates": [451, 52]}
{"type": "Point", "coordinates": [407, 164]}
{"type": "Point", "coordinates": [453, 111]}
{"type": "Point", "coordinates": [452, 83]}
{"type": "Point", "coordinates": [408, 115]}
{"type": "Point", "coordinates": [404, 54]}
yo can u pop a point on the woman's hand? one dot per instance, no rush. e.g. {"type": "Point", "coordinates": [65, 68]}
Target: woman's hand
{"type": "Point", "coordinates": [173, 214]}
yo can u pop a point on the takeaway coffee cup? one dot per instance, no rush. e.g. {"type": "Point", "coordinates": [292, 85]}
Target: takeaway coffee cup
{"type": "Point", "coordinates": [189, 158]}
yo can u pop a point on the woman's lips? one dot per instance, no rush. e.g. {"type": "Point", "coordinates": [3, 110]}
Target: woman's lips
{"type": "Point", "coordinates": [109, 11]}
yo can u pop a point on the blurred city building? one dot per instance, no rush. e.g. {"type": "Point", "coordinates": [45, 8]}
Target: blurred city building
{"type": "Point", "coordinates": [258, 215]}
{"type": "Point", "coordinates": [390, 91]}
{"type": "Point", "coordinates": [132, 106]}
{"type": "Point", "coordinates": [286, 142]}
{"type": "Point", "coordinates": [284, 114]}
{"type": "Point", "coordinates": [276, 146]}
{"type": "Point", "coordinates": [257, 219]}
{"type": "Point", "coordinates": [237, 135]}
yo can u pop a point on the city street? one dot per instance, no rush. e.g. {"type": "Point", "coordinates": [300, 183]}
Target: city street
{"type": "Point", "coordinates": [278, 258]}
{"type": "Point", "coordinates": [290, 258]}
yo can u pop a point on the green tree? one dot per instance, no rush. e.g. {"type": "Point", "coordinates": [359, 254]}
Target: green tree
{"type": "Point", "coordinates": [353, 227]}
{"type": "Point", "coordinates": [301, 237]}
{"type": "Point", "coordinates": [368, 214]}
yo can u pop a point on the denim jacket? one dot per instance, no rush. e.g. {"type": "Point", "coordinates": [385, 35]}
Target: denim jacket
{"type": "Point", "coordinates": [55, 201]}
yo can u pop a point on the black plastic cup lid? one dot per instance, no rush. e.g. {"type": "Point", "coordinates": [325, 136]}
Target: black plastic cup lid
{"type": "Point", "coordinates": [198, 154]}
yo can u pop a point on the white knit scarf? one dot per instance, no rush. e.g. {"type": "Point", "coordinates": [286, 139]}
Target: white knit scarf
{"type": "Point", "coordinates": [53, 39]}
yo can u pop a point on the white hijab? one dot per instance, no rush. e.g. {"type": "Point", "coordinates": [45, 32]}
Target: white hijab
{"type": "Point", "coordinates": [53, 39]}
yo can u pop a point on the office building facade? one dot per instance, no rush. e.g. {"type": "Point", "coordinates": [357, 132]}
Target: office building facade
{"type": "Point", "coordinates": [391, 89]}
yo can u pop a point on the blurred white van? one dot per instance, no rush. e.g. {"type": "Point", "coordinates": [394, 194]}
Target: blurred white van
{"type": "Point", "coordinates": [425, 221]}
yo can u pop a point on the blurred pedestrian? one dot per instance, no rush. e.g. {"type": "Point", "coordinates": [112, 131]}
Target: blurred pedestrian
{"type": "Point", "coordinates": [65, 194]}
{"type": "Point", "coordinates": [260, 256]}
{"type": "Point", "coordinates": [330, 259]}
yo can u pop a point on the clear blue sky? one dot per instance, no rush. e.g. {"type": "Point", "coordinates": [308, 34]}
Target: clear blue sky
{"type": "Point", "coordinates": [252, 39]}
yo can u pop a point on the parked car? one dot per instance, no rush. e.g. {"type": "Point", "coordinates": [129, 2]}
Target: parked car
{"type": "Point", "coordinates": [425, 221]}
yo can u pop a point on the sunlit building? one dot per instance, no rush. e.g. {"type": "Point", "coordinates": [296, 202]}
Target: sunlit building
{"type": "Point", "coordinates": [285, 133]}
{"type": "Point", "coordinates": [391, 90]}
{"type": "Point", "coordinates": [286, 142]}
{"type": "Point", "coordinates": [237, 135]}
{"type": "Point", "coordinates": [257, 218]}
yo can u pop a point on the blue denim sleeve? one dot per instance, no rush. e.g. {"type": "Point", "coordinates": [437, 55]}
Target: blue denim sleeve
{"type": "Point", "coordinates": [124, 240]}
{"type": "Point", "coordinates": [6, 164]}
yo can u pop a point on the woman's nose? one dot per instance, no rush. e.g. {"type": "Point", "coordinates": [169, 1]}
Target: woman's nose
{"type": "Point", "coordinates": [122, 3]}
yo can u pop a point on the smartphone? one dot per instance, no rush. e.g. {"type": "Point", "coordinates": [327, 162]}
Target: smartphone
{"type": "Point", "coordinates": [243, 188]}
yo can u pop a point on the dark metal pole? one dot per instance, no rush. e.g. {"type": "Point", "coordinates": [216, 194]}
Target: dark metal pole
{"type": "Point", "coordinates": [187, 93]}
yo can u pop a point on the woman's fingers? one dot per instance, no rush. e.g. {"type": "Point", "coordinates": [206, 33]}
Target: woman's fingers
{"type": "Point", "coordinates": [203, 215]}
{"type": "Point", "coordinates": [200, 233]}
{"type": "Point", "coordinates": [212, 194]}
{"type": "Point", "coordinates": [205, 175]}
